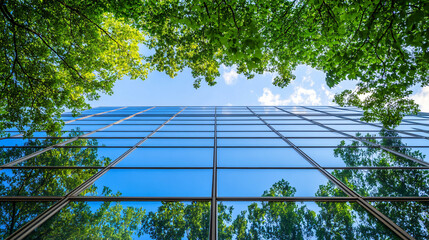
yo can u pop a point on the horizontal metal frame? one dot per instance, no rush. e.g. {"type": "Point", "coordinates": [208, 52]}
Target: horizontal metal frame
{"type": "Point", "coordinates": [218, 167]}
{"type": "Point", "coordinates": [249, 146]}
{"type": "Point", "coordinates": [235, 137]}
{"type": "Point", "coordinates": [207, 199]}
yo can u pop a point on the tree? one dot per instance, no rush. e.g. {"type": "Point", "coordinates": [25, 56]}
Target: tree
{"type": "Point", "coordinates": [59, 53]}
{"type": "Point", "coordinates": [57, 56]}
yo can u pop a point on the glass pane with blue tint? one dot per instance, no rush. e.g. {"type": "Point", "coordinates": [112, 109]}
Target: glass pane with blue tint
{"type": "Point", "coordinates": [403, 142]}
{"type": "Point", "coordinates": [298, 220]}
{"type": "Point", "coordinates": [83, 157]}
{"type": "Point", "coordinates": [242, 128]}
{"type": "Point", "coordinates": [169, 157]}
{"type": "Point", "coordinates": [17, 214]}
{"type": "Point", "coordinates": [42, 182]}
{"type": "Point", "coordinates": [8, 155]}
{"type": "Point", "coordinates": [91, 122]}
{"type": "Point", "coordinates": [183, 134]}
{"type": "Point", "coordinates": [178, 142]}
{"type": "Point", "coordinates": [251, 142]}
{"type": "Point", "coordinates": [354, 127]}
{"type": "Point", "coordinates": [298, 127]}
{"type": "Point", "coordinates": [105, 142]}
{"type": "Point", "coordinates": [247, 134]}
{"type": "Point", "coordinates": [127, 220]}
{"type": "Point", "coordinates": [155, 183]}
{"type": "Point", "coordinates": [255, 183]}
{"type": "Point", "coordinates": [357, 157]}
{"type": "Point", "coordinates": [410, 216]}
{"type": "Point", "coordinates": [170, 127]}
{"type": "Point", "coordinates": [386, 182]}
{"type": "Point", "coordinates": [74, 127]}
{"type": "Point", "coordinates": [260, 157]}
{"type": "Point", "coordinates": [11, 142]}
{"type": "Point", "coordinates": [127, 127]}
{"type": "Point", "coordinates": [310, 134]}
{"type": "Point", "coordinates": [321, 141]}
{"type": "Point", "coordinates": [137, 134]}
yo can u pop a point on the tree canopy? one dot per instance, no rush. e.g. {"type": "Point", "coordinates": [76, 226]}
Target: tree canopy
{"type": "Point", "coordinates": [56, 54]}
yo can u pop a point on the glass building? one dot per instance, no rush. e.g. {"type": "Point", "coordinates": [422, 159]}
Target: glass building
{"type": "Point", "coordinates": [217, 173]}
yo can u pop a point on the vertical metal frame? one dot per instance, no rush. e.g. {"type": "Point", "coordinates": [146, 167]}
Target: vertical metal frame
{"type": "Point", "coordinates": [213, 207]}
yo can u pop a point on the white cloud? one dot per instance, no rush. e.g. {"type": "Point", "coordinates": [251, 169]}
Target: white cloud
{"type": "Point", "coordinates": [422, 98]}
{"type": "Point", "coordinates": [231, 76]}
{"type": "Point", "coordinates": [300, 96]}
{"type": "Point", "coordinates": [269, 99]}
{"type": "Point", "coordinates": [229, 104]}
{"type": "Point", "coordinates": [307, 80]}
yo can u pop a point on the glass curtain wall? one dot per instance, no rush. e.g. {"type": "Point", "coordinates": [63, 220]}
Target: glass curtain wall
{"type": "Point", "coordinates": [217, 173]}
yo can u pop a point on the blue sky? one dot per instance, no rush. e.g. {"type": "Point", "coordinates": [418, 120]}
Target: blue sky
{"type": "Point", "coordinates": [233, 89]}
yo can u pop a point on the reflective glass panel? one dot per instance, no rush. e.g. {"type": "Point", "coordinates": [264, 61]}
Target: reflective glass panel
{"type": "Point", "coordinates": [357, 157]}
{"type": "Point", "coordinates": [260, 157]}
{"type": "Point", "coordinates": [298, 220]}
{"type": "Point", "coordinates": [155, 182]}
{"type": "Point", "coordinates": [75, 157]}
{"type": "Point", "coordinates": [41, 182]}
{"type": "Point", "coordinates": [127, 220]}
{"type": "Point", "coordinates": [169, 157]}
{"type": "Point", "coordinates": [385, 182]}
{"type": "Point", "coordinates": [256, 183]}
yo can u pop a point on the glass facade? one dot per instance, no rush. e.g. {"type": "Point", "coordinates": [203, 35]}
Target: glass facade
{"type": "Point", "coordinates": [217, 173]}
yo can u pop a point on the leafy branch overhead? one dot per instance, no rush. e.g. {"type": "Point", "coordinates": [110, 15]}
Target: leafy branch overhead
{"type": "Point", "coordinates": [56, 54]}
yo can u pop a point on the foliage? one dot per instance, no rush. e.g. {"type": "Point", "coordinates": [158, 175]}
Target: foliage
{"type": "Point", "coordinates": [55, 56]}
{"type": "Point", "coordinates": [381, 44]}
{"type": "Point", "coordinates": [58, 53]}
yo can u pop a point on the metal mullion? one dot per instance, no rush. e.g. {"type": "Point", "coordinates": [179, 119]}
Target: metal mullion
{"type": "Point", "coordinates": [371, 124]}
{"type": "Point", "coordinates": [20, 135]}
{"type": "Point", "coordinates": [41, 218]}
{"type": "Point", "coordinates": [368, 207]}
{"type": "Point", "coordinates": [362, 140]}
{"type": "Point", "coordinates": [14, 162]}
{"type": "Point", "coordinates": [213, 205]}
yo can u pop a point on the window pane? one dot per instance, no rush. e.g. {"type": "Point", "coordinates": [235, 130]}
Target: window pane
{"type": "Point", "coordinates": [86, 157]}
{"type": "Point", "coordinates": [255, 183]}
{"type": "Point", "coordinates": [127, 220]}
{"type": "Point", "coordinates": [386, 182]}
{"type": "Point", "coordinates": [156, 183]}
{"type": "Point", "coordinates": [169, 157]}
{"type": "Point", "coordinates": [178, 142]}
{"type": "Point", "coordinates": [260, 157]}
{"type": "Point", "coordinates": [41, 182]}
{"type": "Point", "coordinates": [251, 142]}
{"type": "Point", "coordinates": [321, 141]}
{"type": "Point", "coordinates": [357, 157]}
{"type": "Point", "coordinates": [247, 134]}
{"type": "Point", "coordinates": [298, 220]}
